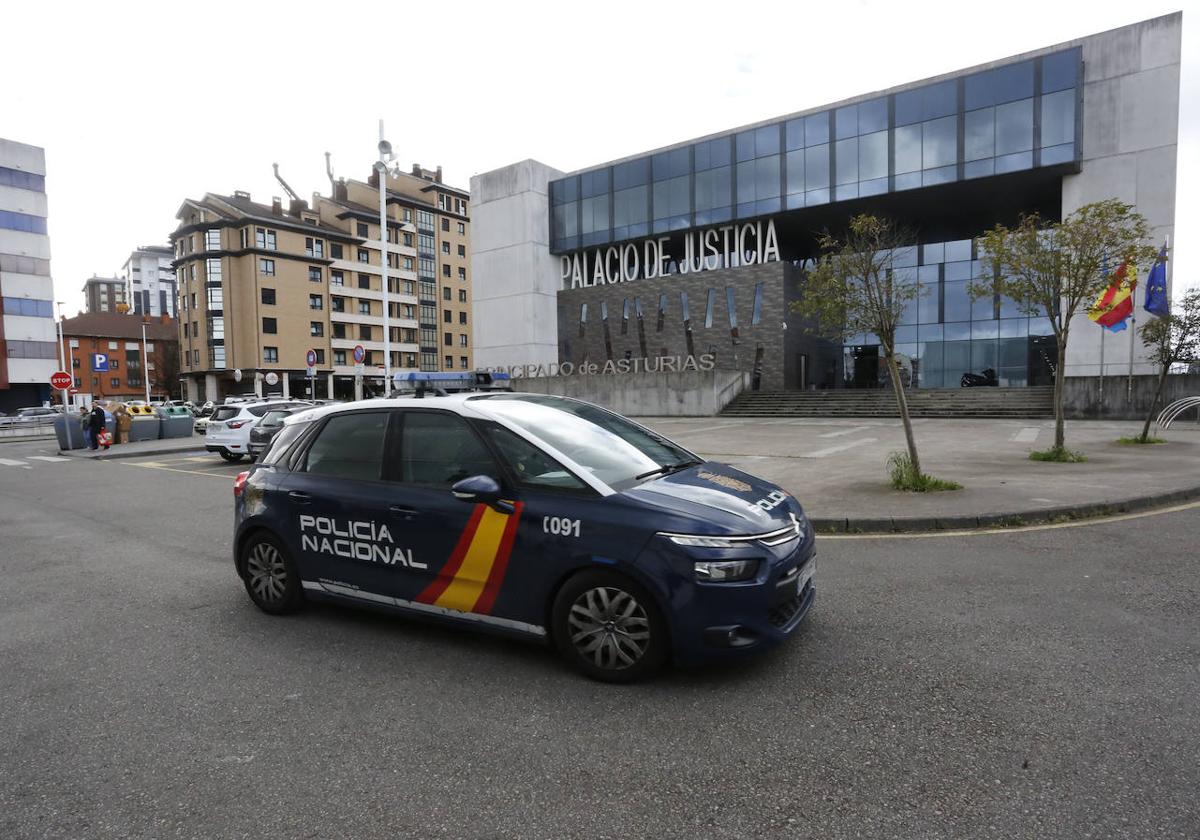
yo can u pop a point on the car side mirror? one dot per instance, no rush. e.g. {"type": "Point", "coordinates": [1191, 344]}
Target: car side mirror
{"type": "Point", "coordinates": [481, 489]}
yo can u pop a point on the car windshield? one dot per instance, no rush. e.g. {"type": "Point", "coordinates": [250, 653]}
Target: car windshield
{"type": "Point", "coordinates": [611, 448]}
{"type": "Point", "coordinates": [274, 418]}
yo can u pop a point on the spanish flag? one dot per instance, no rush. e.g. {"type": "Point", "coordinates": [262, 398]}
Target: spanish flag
{"type": "Point", "coordinates": [1115, 304]}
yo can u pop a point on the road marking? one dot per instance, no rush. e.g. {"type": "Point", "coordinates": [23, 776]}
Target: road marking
{"type": "Point", "coordinates": [1027, 435]}
{"type": "Point", "coordinates": [154, 466]}
{"type": "Point", "coordinates": [849, 431]}
{"type": "Point", "coordinates": [52, 459]}
{"type": "Point", "coordinates": [9, 462]}
{"type": "Point", "coordinates": [706, 429]}
{"type": "Point", "coordinates": [821, 453]}
{"type": "Point", "coordinates": [987, 532]}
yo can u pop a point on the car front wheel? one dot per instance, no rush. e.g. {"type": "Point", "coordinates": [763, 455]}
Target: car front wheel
{"type": "Point", "coordinates": [609, 627]}
{"type": "Point", "coordinates": [269, 574]}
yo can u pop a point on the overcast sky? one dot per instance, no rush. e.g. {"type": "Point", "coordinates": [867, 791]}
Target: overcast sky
{"type": "Point", "coordinates": [140, 105]}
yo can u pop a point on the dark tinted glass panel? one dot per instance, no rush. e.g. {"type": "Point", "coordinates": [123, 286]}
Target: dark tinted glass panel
{"type": "Point", "coordinates": [593, 183]}
{"type": "Point", "coordinates": [816, 167]}
{"type": "Point", "coordinates": [872, 116]}
{"type": "Point", "coordinates": [530, 465]}
{"type": "Point", "coordinates": [1058, 118]}
{"type": "Point", "coordinates": [671, 197]}
{"type": "Point", "coordinates": [979, 131]}
{"type": "Point", "coordinates": [1058, 154]}
{"type": "Point", "coordinates": [766, 177]}
{"type": "Point", "coordinates": [1060, 71]}
{"type": "Point", "coordinates": [709, 307]}
{"type": "Point", "coordinates": [846, 122]}
{"type": "Point", "coordinates": [847, 161]}
{"type": "Point", "coordinates": [1014, 162]}
{"type": "Point", "coordinates": [873, 156]}
{"type": "Point", "coordinates": [744, 145]}
{"type": "Point", "coordinates": [939, 100]}
{"type": "Point", "coordinates": [670, 164]}
{"type": "Point", "coordinates": [766, 140]}
{"type": "Point", "coordinates": [1014, 127]}
{"type": "Point", "coordinates": [349, 446]}
{"type": "Point", "coordinates": [756, 315]}
{"type": "Point", "coordinates": [940, 142]}
{"type": "Point", "coordinates": [631, 174]}
{"type": "Point", "coordinates": [908, 107]}
{"type": "Point", "coordinates": [712, 154]}
{"type": "Point", "coordinates": [1013, 82]}
{"type": "Point", "coordinates": [908, 148]}
{"type": "Point", "coordinates": [438, 449]}
{"type": "Point", "coordinates": [713, 188]}
{"type": "Point", "coordinates": [793, 134]}
{"type": "Point", "coordinates": [565, 190]}
{"type": "Point", "coordinates": [816, 129]}
{"type": "Point", "coordinates": [795, 171]}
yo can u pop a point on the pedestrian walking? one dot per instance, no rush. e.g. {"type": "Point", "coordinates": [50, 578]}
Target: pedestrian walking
{"type": "Point", "coordinates": [97, 426]}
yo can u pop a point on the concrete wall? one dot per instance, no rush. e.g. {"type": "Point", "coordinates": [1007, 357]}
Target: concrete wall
{"type": "Point", "coordinates": [672, 394]}
{"type": "Point", "coordinates": [514, 280]}
{"type": "Point", "coordinates": [1129, 141]}
{"type": "Point", "coordinates": [1083, 399]}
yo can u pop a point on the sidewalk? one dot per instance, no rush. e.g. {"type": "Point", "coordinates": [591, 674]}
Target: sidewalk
{"type": "Point", "coordinates": [836, 468]}
{"type": "Point", "coordinates": [168, 446]}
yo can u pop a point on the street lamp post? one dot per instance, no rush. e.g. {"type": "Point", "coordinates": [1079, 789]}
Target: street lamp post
{"type": "Point", "coordinates": [383, 166]}
{"type": "Point", "coordinates": [145, 363]}
{"type": "Point", "coordinates": [62, 365]}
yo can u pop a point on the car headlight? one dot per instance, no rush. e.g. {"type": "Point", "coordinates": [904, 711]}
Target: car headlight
{"type": "Point", "coordinates": [704, 542]}
{"type": "Point", "coordinates": [725, 570]}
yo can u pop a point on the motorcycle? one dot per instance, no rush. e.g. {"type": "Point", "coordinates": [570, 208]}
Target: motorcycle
{"type": "Point", "coordinates": [976, 380]}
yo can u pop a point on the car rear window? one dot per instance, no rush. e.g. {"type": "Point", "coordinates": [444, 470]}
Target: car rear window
{"type": "Point", "coordinates": [226, 412]}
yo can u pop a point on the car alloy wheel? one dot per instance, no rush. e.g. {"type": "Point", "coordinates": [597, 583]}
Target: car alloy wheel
{"type": "Point", "coordinates": [266, 573]}
{"type": "Point", "coordinates": [609, 627]}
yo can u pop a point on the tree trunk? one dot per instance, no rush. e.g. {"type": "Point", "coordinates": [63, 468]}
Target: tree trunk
{"type": "Point", "coordinates": [902, 405]}
{"type": "Point", "coordinates": [1162, 380]}
{"type": "Point", "coordinates": [1059, 375]}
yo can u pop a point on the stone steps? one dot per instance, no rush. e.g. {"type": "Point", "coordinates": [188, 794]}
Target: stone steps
{"type": "Point", "coordinates": [948, 402]}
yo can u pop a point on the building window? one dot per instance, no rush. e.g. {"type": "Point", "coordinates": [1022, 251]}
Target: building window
{"type": "Point", "coordinates": [462, 250]}
{"type": "Point", "coordinates": [316, 302]}
{"type": "Point", "coordinates": [408, 263]}
{"type": "Point", "coordinates": [216, 357]}
{"type": "Point", "coordinates": [339, 357]}
{"type": "Point", "coordinates": [336, 278]}
{"type": "Point", "coordinates": [445, 247]}
{"type": "Point", "coordinates": [462, 295]}
{"type": "Point", "coordinates": [462, 339]}
{"type": "Point", "coordinates": [364, 281]}
{"type": "Point", "coordinates": [462, 362]}
{"type": "Point", "coordinates": [462, 273]}
{"type": "Point", "coordinates": [445, 270]}
{"type": "Point", "coordinates": [408, 240]}
{"type": "Point", "coordinates": [709, 309]}
{"type": "Point", "coordinates": [268, 297]}
{"type": "Point", "coordinates": [448, 339]}
{"type": "Point", "coordinates": [337, 304]}
{"type": "Point", "coordinates": [215, 299]}
{"type": "Point", "coordinates": [449, 363]}
{"type": "Point", "coordinates": [462, 317]}
{"type": "Point", "coordinates": [266, 267]}
{"type": "Point", "coordinates": [364, 230]}
{"type": "Point", "coordinates": [364, 332]}
{"type": "Point", "coordinates": [314, 273]}
{"type": "Point", "coordinates": [270, 326]}
{"type": "Point", "coordinates": [264, 239]}
{"type": "Point", "coordinates": [114, 364]}
{"type": "Point", "coordinates": [364, 307]}
{"type": "Point", "coordinates": [364, 256]}
{"type": "Point", "coordinates": [212, 241]}
{"type": "Point", "coordinates": [446, 225]}
{"type": "Point", "coordinates": [339, 330]}
{"type": "Point", "coordinates": [756, 315]}
{"type": "Point", "coordinates": [446, 293]}
{"type": "Point", "coordinates": [314, 247]}
{"type": "Point", "coordinates": [447, 316]}
{"type": "Point", "coordinates": [216, 329]}
{"type": "Point", "coordinates": [270, 355]}
{"type": "Point", "coordinates": [316, 329]}
{"type": "Point", "coordinates": [424, 220]}
{"type": "Point", "coordinates": [335, 251]}
{"type": "Point", "coordinates": [320, 354]}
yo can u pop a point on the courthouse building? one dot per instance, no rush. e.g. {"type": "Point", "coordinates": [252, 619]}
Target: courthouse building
{"type": "Point", "coordinates": [698, 247]}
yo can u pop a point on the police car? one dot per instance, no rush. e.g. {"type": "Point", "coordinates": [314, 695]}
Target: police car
{"type": "Point", "coordinates": [524, 514]}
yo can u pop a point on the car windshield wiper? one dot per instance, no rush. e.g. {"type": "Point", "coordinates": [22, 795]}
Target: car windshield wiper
{"type": "Point", "coordinates": [667, 469]}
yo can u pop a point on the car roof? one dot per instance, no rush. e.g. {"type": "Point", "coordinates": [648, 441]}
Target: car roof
{"type": "Point", "coordinates": [466, 404]}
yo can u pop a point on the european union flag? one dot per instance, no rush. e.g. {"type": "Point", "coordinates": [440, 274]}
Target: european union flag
{"type": "Point", "coordinates": [1156, 287]}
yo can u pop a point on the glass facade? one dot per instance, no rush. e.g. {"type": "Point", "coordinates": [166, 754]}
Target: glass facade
{"type": "Point", "coordinates": [1010, 118]}
{"type": "Point", "coordinates": [944, 333]}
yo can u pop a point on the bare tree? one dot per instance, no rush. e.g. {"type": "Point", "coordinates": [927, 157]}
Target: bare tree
{"type": "Point", "coordinates": [1170, 339]}
{"type": "Point", "coordinates": [1058, 270]}
{"type": "Point", "coordinates": [852, 288]}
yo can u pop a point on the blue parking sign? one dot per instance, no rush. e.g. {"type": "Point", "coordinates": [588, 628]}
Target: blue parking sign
{"type": "Point", "coordinates": [100, 361]}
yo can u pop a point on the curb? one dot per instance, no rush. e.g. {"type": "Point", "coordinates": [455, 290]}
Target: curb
{"type": "Point", "coordinates": [966, 522]}
{"type": "Point", "coordinates": [116, 453]}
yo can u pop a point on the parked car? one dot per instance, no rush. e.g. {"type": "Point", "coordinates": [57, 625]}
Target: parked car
{"type": "Point", "coordinates": [33, 415]}
{"type": "Point", "coordinates": [200, 425]}
{"type": "Point", "coordinates": [228, 430]}
{"type": "Point", "coordinates": [264, 431]}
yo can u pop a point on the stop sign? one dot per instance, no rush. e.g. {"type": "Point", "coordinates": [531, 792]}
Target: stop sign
{"type": "Point", "coordinates": [61, 380]}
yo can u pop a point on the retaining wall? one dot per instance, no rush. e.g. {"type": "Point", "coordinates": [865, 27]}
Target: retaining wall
{"type": "Point", "coordinates": [671, 394]}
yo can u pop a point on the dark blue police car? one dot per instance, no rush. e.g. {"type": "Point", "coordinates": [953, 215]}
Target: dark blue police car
{"type": "Point", "coordinates": [532, 515]}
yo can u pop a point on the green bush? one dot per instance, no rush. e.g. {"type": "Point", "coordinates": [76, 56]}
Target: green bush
{"type": "Point", "coordinates": [1059, 455]}
{"type": "Point", "coordinates": [1137, 440]}
{"type": "Point", "coordinates": [904, 477]}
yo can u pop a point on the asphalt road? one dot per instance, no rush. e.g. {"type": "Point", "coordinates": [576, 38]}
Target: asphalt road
{"type": "Point", "coordinates": [1039, 684]}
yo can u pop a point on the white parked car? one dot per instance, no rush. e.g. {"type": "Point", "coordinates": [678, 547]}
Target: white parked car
{"type": "Point", "coordinates": [227, 431]}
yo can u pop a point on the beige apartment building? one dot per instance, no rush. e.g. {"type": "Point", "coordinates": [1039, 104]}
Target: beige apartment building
{"type": "Point", "coordinates": [260, 286]}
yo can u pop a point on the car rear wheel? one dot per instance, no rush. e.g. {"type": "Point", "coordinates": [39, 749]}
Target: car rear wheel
{"type": "Point", "coordinates": [609, 627]}
{"type": "Point", "coordinates": [269, 574]}
{"type": "Point", "coordinates": [231, 456]}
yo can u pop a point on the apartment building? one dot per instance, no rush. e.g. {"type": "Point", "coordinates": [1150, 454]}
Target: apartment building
{"type": "Point", "coordinates": [110, 362]}
{"type": "Point", "coordinates": [150, 281]}
{"type": "Point", "coordinates": [28, 346]}
{"type": "Point", "coordinates": [260, 286]}
{"type": "Point", "coordinates": [105, 294]}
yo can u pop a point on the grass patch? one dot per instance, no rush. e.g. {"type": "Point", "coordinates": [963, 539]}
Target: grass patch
{"type": "Point", "coordinates": [904, 477]}
{"type": "Point", "coordinates": [1059, 455]}
{"type": "Point", "coordinates": [1136, 440]}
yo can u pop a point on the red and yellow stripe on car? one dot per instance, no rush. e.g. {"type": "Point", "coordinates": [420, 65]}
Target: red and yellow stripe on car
{"type": "Point", "coordinates": [471, 578]}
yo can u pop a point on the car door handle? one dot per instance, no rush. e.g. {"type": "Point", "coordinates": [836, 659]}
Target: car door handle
{"type": "Point", "coordinates": [403, 511]}
{"type": "Point", "coordinates": [299, 498]}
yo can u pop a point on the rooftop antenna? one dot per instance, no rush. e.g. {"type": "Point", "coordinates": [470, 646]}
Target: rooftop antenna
{"type": "Point", "coordinates": [329, 171]}
{"type": "Point", "coordinates": [291, 192]}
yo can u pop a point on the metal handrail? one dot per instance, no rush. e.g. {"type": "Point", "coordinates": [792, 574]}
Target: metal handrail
{"type": "Point", "coordinates": [1169, 414]}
